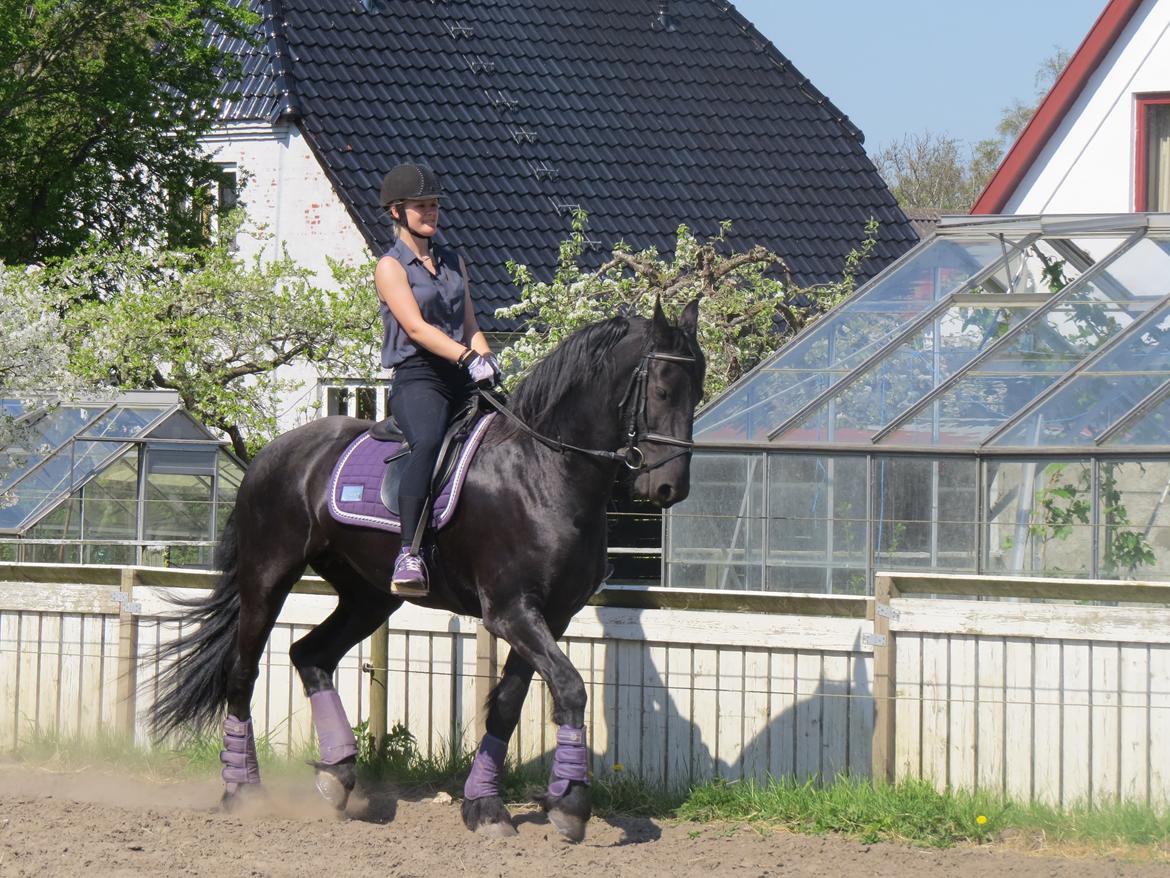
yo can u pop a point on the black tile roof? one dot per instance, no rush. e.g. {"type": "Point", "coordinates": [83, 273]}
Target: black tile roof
{"type": "Point", "coordinates": [529, 107]}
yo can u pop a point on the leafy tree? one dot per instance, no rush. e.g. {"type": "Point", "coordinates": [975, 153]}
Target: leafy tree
{"type": "Point", "coordinates": [101, 109]}
{"type": "Point", "coordinates": [212, 326]}
{"type": "Point", "coordinates": [934, 171]}
{"type": "Point", "coordinates": [33, 352]}
{"type": "Point", "coordinates": [749, 300]}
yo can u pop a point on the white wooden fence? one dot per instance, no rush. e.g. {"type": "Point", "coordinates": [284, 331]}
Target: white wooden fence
{"type": "Point", "coordinates": [1054, 701]}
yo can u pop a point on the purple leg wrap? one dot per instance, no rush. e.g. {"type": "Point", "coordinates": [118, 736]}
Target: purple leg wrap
{"type": "Point", "coordinates": [484, 779]}
{"type": "Point", "coordinates": [333, 731]}
{"type": "Point", "coordinates": [238, 755]}
{"type": "Point", "coordinates": [570, 761]}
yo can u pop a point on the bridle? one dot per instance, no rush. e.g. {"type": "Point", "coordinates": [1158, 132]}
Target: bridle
{"type": "Point", "coordinates": [632, 405]}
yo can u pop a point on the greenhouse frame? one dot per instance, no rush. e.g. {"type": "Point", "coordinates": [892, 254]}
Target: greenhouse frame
{"type": "Point", "coordinates": [995, 402]}
{"type": "Point", "coordinates": [130, 480]}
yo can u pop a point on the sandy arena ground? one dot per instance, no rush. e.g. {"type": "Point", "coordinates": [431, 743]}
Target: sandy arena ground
{"type": "Point", "coordinates": [97, 825]}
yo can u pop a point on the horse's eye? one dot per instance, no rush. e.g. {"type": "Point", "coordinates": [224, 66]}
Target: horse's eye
{"type": "Point", "coordinates": [660, 392]}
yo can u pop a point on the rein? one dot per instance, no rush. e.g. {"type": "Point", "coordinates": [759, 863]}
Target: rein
{"type": "Point", "coordinates": [630, 454]}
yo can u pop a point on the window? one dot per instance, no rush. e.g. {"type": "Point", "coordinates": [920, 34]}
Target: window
{"type": "Point", "coordinates": [1153, 153]}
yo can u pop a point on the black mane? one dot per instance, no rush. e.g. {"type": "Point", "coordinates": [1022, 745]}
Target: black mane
{"type": "Point", "coordinates": [583, 358]}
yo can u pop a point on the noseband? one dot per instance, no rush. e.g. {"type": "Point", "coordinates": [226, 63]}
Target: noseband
{"type": "Point", "coordinates": [633, 404]}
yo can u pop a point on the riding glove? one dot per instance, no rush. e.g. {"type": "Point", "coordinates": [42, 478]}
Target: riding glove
{"type": "Point", "coordinates": [480, 368]}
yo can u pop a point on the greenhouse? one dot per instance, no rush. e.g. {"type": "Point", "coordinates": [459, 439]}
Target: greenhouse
{"type": "Point", "coordinates": [996, 401]}
{"type": "Point", "coordinates": [132, 480]}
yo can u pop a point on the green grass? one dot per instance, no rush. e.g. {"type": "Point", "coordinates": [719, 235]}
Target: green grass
{"type": "Point", "coordinates": [910, 812]}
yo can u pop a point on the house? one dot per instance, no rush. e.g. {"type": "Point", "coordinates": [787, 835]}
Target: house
{"type": "Point", "coordinates": [1100, 140]}
{"type": "Point", "coordinates": [643, 114]}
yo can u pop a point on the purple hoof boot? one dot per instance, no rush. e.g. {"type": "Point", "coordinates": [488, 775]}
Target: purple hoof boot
{"type": "Point", "coordinates": [567, 802]}
{"type": "Point", "coordinates": [410, 574]}
{"type": "Point", "coordinates": [241, 768]}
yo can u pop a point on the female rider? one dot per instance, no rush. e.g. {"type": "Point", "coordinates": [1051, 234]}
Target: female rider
{"type": "Point", "coordinates": [431, 341]}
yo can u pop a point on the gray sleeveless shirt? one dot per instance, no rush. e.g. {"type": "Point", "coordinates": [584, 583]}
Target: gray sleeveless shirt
{"type": "Point", "coordinates": [440, 298]}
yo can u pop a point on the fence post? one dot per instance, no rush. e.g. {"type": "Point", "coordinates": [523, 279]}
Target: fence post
{"type": "Point", "coordinates": [884, 682]}
{"type": "Point", "coordinates": [487, 670]}
{"type": "Point", "coordinates": [379, 682]}
{"type": "Point", "coordinates": [127, 688]}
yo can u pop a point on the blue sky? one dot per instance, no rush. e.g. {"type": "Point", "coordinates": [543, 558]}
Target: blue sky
{"type": "Point", "coordinates": [901, 66]}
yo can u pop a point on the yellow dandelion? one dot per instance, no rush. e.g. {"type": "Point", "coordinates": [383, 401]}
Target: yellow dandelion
{"type": "Point", "coordinates": [981, 819]}
{"type": "Point", "coordinates": [618, 767]}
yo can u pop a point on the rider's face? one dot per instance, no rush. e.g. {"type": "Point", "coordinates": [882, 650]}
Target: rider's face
{"type": "Point", "coordinates": [422, 217]}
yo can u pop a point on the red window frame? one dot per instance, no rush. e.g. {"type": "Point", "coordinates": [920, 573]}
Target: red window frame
{"type": "Point", "coordinates": [1144, 102]}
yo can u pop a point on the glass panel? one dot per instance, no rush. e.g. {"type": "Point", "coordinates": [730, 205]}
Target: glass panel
{"type": "Point", "coordinates": [110, 511]}
{"type": "Point", "coordinates": [1068, 332]}
{"type": "Point", "coordinates": [180, 425]}
{"type": "Point", "coordinates": [63, 523]}
{"type": "Point", "coordinates": [178, 501]}
{"type": "Point", "coordinates": [906, 374]}
{"type": "Point", "coordinates": [1151, 428]}
{"type": "Point", "coordinates": [230, 476]}
{"type": "Point", "coordinates": [1135, 519]}
{"type": "Point", "coordinates": [1157, 157]}
{"type": "Point", "coordinates": [123, 421]}
{"type": "Point", "coordinates": [843, 339]}
{"type": "Point", "coordinates": [38, 489]}
{"type": "Point", "coordinates": [715, 538]}
{"type": "Point", "coordinates": [926, 514]}
{"type": "Point", "coordinates": [1038, 518]}
{"type": "Point", "coordinates": [1105, 392]}
{"type": "Point", "coordinates": [367, 403]}
{"type": "Point", "coordinates": [337, 401]}
{"type": "Point", "coordinates": [63, 422]}
{"type": "Point", "coordinates": [816, 524]}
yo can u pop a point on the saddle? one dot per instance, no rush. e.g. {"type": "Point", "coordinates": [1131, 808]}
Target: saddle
{"type": "Point", "coordinates": [363, 488]}
{"type": "Point", "coordinates": [399, 453]}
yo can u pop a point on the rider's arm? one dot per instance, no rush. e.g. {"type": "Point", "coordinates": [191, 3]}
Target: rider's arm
{"type": "Point", "coordinates": [471, 330]}
{"type": "Point", "coordinates": [394, 289]}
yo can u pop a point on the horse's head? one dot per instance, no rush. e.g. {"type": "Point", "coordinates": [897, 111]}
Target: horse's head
{"type": "Point", "coordinates": [662, 399]}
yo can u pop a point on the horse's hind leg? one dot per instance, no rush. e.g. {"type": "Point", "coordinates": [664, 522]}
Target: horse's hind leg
{"type": "Point", "coordinates": [316, 656]}
{"type": "Point", "coordinates": [483, 807]}
{"type": "Point", "coordinates": [259, 607]}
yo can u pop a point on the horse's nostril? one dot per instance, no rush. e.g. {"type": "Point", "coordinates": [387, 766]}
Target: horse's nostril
{"type": "Point", "coordinates": [665, 492]}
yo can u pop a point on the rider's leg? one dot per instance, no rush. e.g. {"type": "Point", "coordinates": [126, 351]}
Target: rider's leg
{"type": "Point", "coordinates": [422, 406]}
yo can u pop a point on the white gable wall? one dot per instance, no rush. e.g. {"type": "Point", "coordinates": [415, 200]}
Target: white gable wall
{"type": "Point", "coordinates": [288, 196]}
{"type": "Point", "coordinates": [1089, 163]}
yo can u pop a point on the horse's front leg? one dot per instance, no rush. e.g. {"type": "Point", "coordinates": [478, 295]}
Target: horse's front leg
{"type": "Point", "coordinates": [484, 810]}
{"type": "Point", "coordinates": [527, 632]}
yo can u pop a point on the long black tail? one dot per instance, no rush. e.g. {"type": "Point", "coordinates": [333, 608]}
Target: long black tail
{"type": "Point", "coordinates": [193, 688]}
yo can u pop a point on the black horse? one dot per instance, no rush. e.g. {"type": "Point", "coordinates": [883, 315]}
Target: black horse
{"type": "Point", "coordinates": [524, 551]}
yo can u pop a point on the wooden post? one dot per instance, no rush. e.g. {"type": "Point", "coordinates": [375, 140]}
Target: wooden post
{"type": "Point", "coordinates": [125, 706]}
{"type": "Point", "coordinates": [379, 682]}
{"type": "Point", "coordinates": [487, 671]}
{"type": "Point", "coordinates": [884, 682]}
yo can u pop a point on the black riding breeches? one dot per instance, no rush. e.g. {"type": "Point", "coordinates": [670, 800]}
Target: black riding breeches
{"type": "Point", "coordinates": [425, 393]}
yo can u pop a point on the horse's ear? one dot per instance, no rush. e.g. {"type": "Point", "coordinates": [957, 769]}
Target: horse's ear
{"type": "Point", "coordinates": [688, 321]}
{"type": "Point", "coordinates": [659, 325]}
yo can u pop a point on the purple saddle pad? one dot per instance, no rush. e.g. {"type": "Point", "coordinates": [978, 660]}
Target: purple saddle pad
{"type": "Point", "coordinates": [356, 484]}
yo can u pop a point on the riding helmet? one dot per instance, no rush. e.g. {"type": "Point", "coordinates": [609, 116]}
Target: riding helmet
{"type": "Point", "coordinates": [409, 182]}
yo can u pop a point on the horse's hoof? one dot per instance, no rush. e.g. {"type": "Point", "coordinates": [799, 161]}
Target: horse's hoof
{"type": "Point", "coordinates": [569, 813]}
{"type": "Point", "coordinates": [568, 825]}
{"type": "Point", "coordinates": [237, 797]}
{"type": "Point", "coordinates": [488, 817]}
{"type": "Point", "coordinates": [332, 790]}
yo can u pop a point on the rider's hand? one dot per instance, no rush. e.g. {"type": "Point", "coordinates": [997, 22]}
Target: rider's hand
{"type": "Point", "coordinates": [479, 368]}
{"type": "Point", "coordinates": [495, 364]}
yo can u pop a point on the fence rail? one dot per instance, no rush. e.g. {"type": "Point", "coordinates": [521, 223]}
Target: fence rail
{"type": "Point", "coordinates": [1017, 686]}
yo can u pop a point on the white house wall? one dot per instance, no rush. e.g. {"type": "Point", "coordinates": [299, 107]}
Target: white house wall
{"type": "Point", "coordinates": [1088, 165]}
{"type": "Point", "coordinates": [289, 198]}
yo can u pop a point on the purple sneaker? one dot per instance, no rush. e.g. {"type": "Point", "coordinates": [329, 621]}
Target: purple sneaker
{"type": "Point", "coordinates": [410, 574]}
